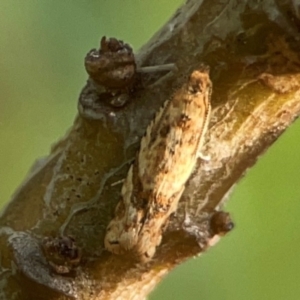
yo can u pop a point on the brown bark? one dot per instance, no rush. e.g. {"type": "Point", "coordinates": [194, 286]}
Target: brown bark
{"type": "Point", "coordinates": [252, 52]}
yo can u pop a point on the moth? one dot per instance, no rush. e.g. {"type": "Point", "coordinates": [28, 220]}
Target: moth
{"type": "Point", "coordinates": [156, 180]}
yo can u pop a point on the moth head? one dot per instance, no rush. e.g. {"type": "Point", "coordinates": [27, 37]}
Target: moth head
{"type": "Point", "coordinates": [199, 81]}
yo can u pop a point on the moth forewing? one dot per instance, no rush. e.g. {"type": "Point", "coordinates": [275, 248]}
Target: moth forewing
{"type": "Point", "coordinates": [156, 181]}
{"type": "Point", "coordinates": [168, 154]}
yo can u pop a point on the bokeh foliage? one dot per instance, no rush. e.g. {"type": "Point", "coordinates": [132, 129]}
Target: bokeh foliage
{"type": "Point", "coordinates": [42, 46]}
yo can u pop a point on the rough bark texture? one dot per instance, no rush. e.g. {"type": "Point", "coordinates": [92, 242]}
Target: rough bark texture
{"type": "Point", "coordinates": [252, 50]}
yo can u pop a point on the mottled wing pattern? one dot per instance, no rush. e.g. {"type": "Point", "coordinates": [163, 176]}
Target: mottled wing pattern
{"type": "Point", "coordinates": [156, 180]}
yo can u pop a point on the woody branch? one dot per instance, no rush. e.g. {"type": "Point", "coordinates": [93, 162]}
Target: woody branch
{"type": "Point", "coordinates": [255, 74]}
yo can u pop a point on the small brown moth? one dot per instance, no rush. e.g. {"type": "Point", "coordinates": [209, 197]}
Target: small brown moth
{"type": "Point", "coordinates": [156, 180]}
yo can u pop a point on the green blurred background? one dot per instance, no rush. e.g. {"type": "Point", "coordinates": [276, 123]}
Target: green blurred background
{"type": "Point", "coordinates": [42, 46]}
